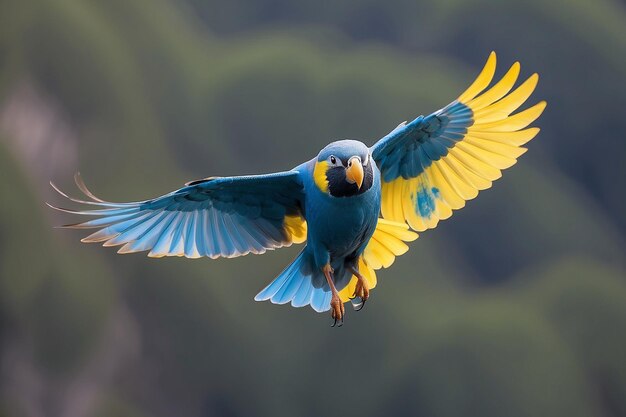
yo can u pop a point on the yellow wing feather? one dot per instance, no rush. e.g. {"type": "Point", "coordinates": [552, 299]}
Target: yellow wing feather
{"type": "Point", "coordinates": [497, 91]}
{"type": "Point", "coordinates": [482, 81]}
{"type": "Point", "coordinates": [386, 244]}
{"type": "Point", "coordinates": [491, 143]}
{"type": "Point", "coordinates": [296, 227]}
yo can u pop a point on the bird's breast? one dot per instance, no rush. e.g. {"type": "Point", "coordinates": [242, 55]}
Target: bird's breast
{"type": "Point", "coordinates": [342, 224]}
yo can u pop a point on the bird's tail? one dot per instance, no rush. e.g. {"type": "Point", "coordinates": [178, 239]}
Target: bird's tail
{"type": "Point", "coordinates": [303, 284]}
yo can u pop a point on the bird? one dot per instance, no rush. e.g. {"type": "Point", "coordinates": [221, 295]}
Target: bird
{"type": "Point", "coordinates": [354, 207]}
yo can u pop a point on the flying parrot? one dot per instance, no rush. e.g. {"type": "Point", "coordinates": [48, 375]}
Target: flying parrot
{"type": "Point", "coordinates": [352, 205]}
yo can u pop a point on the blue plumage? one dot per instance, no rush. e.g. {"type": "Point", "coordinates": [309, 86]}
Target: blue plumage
{"type": "Point", "coordinates": [338, 231]}
{"type": "Point", "coordinates": [426, 201]}
{"type": "Point", "coordinates": [408, 150]}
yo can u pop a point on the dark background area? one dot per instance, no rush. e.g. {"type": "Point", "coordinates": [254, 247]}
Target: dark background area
{"type": "Point", "coordinates": [514, 307]}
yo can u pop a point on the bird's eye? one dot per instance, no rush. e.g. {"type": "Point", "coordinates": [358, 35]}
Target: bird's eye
{"type": "Point", "coordinates": [333, 160]}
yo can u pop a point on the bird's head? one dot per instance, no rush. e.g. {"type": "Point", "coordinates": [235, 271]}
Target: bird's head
{"type": "Point", "coordinates": [344, 169]}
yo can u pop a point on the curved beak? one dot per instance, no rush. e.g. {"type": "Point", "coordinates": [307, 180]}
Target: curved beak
{"type": "Point", "coordinates": [354, 171]}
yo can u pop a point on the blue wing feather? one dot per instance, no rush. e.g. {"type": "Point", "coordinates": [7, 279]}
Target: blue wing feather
{"type": "Point", "coordinates": [407, 151]}
{"type": "Point", "coordinates": [228, 217]}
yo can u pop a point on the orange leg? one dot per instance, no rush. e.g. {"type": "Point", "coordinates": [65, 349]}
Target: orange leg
{"type": "Point", "coordinates": [362, 289]}
{"type": "Point", "coordinates": [337, 309]}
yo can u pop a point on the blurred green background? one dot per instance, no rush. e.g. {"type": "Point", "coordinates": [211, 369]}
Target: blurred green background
{"type": "Point", "coordinates": [515, 307]}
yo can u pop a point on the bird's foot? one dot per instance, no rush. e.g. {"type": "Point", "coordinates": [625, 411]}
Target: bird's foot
{"type": "Point", "coordinates": [362, 290]}
{"type": "Point", "coordinates": [337, 310]}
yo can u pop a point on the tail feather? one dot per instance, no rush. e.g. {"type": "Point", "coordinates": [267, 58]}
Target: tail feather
{"type": "Point", "coordinates": [289, 288]}
{"type": "Point", "coordinates": [302, 284]}
{"type": "Point", "coordinates": [303, 295]}
{"type": "Point", "coordinates": [320, 301]}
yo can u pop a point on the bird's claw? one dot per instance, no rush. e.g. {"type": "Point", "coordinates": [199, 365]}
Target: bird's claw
{"type": "Point", "coordinates": [335, 323]}
{"type": "Point", "coordinates": [359, 306]}
{"type": "Point", "coordinates": [363, 292]}
{"type": "Point", "coordinates": [337, 310]}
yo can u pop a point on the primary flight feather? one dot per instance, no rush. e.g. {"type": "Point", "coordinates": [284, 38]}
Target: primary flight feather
{"type": "Point", "coordinates": [413, 177]}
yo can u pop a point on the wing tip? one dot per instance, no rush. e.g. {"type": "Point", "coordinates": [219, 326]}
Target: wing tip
{"type": "Point", "coordinates": [80, 183]}
{"type": "Point", "coordinates": [537, 110]}
{"type": "Point", "coordinates": [482, 80]}
{"type": "Point", "coordinates": [61, 209]}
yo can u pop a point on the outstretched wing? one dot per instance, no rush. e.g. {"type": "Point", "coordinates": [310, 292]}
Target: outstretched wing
{"type": "Point", "coordinates": [228, 217]}
{"type": "Point", "coordinates": [432, 165]}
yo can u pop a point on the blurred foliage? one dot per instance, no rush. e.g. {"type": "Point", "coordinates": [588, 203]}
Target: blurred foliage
{"type": "Point", "coordinates": [515, 307]}
{"type": "Point", "coordinates": [32, 291]}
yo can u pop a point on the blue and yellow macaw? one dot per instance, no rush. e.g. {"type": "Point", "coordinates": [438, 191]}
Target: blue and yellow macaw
{"type": "Point", "coordinates": [415, 176]}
